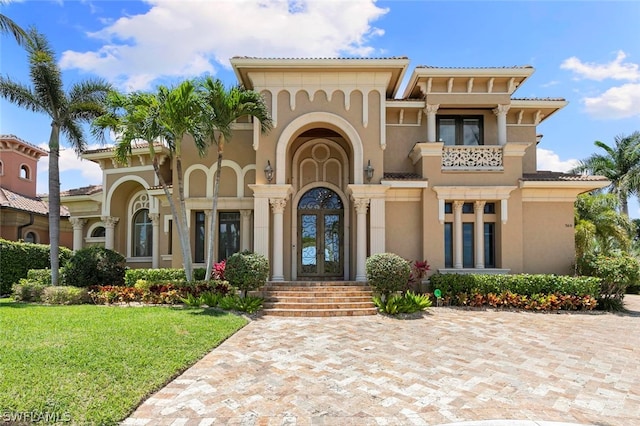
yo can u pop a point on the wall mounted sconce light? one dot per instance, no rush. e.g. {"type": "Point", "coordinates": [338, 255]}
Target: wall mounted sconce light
{"type": "Point", "coordinates": [368, 171]}
{"type": "Point", "coordinates": [268, 172]}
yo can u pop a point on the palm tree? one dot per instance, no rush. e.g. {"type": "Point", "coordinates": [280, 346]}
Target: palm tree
{"type": "Point", "coordinates": [7, 26]}
{"type": "Point", "coordinates": [620, 164]}
{"type": "Point", "coordinates": [222, 108]}
{"type": "Point", "coordinates": [68, 111]}
{"type": "Point", "coordinates": [165, 116]}
{"type": "Point", "coordinates": [599, 227]}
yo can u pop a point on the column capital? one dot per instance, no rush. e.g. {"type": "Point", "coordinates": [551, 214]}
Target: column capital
{"type": "Point", "coordinates": [245, 213]}
{"type": "Point", "coordinates": [431, 108]}
{"type": "Point", "coordinates": [77, 223]}
{"type": "Point", "coordinates": [457, 205]}
{"type": "Point", "coordinates": [479, 205]}
{"type": "Point", "coordinates": [501, 109]}
{"type": "Point", "coordinates": [361, 205]}
{"type": "Point", "coordinates": [155, 218]}
{"type": "Point", "coordinates": [278, 204]}
{"type": "Point", "coordinates": [110, 221]}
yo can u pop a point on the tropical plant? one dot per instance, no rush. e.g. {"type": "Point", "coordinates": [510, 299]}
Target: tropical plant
{"type": "Point", "coordinates": [94, 265]}
{"type": "Point", "coordinates": [221, 109]}
{"type": "Point", "coordinates": [83, 102]}
{"type": "Point", "coordinates": [620, 164]}
{"type": "Point", "coordinates": [599, 227]}
{"type": "Point", "coordinates": [8, 26]}
{"type": "Point", "coordinates": [164, 117]}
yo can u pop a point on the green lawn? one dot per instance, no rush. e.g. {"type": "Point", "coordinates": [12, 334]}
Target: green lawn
{"type": "Point", "coordinates": [95, 364]}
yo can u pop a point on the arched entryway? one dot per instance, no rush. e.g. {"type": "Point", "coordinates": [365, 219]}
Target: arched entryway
{"type": "Point", "coordinates": [320, 253]}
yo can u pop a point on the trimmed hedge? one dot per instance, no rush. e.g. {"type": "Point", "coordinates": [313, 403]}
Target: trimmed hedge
{"type": "Point", "coordinates": [247, 271]}
{"type": "Point", "coordinates": [522, 284]}
{"type": "Point", "coordinates": [94, 265]}
{"type": "Point", "coordinates": [387, 273]}
{"type": "Point", "coordinates": [131, 276]}
{"type": "Point", "coordinates": [18, 257]}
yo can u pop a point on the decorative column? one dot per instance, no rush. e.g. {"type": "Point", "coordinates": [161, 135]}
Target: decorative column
{"type": "Point", "coordinates": [431, 110]}
{"type": "Point", "coordinates": [109, 226]}
{"type": "Point", "coordinates": [479, 225]}
{"type": "Point", "coordinates": [361, 205]}
{"type": "Point", "coordinates": [278, 205]}
{"type": "Point", "coordinates": [245, 230]}
{"type": "Point", "coordinates": [78, 226]}
{"type": "Point", "coordinates": [457, 234]}
{"type": "Point", "coordinates": [155, 248]}
{"type": "Point", "coordinates": [501, 112]}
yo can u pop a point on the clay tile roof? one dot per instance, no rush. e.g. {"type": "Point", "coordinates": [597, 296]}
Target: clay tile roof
{"type": "Point", "coordinates": [401, 176]}
{"type": "Point", "coordinates": [319, 58]}
{"type": "Point", "coordinates": [474, 68]}
{"type": "Point", "coordinates": [538, 99]}
{"type": "Point", "coordinates": [85, 190]}
{"type": "Point", "coordinates": [134, 145]}
{"type": "Point", "coordinates": [16, 201]}
{"type": "Point", "coordinates": [545, 175]}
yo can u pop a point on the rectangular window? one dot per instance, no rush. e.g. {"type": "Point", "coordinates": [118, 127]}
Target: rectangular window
{"type": "Point", "coordinates": [448, 245]}
{"type": "Point", "coordinates": [460, 130]}
{"type": "Point", "coordinates": [198, 255]}
{"type": "Point", "coordinates": [467, 208]}
{"type": "Point", "coordinates": [228, 234]}
{"type": "Point", "coordinates": [467, 245]}
{"type": "Point", "coordinates": [489, 245]}
{"type": "Point", "coordinates": [448, 208]}
{"type": "Point", "coordinates": [490, 208]}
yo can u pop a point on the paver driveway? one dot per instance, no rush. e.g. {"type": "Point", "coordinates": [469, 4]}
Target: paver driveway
{"type": "Point", "coordinates": [452, 365]}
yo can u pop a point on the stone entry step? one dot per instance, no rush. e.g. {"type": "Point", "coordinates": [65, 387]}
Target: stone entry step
{"type": "Point", "coordinates": [318, 299]}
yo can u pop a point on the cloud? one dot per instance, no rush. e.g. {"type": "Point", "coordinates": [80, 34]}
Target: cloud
{"type": "Point", "coordinates": [617, 102]}
{"type": "Point", "coordinates": [76, 171]}
{"type": "Point", "coordinates": [549, 160]}
{"type": "Point", "coordinates": [622, 101]}
{"type": "Point", "coordinates": [616, 69]}
{"type": "Point", "coordinates": [186, 39]}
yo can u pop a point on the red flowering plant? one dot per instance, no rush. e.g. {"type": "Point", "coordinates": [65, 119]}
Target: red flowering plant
{"type": "Point", "coordinates": [419, 270]}
{"type": "Point", "coordinates": [218, 270]}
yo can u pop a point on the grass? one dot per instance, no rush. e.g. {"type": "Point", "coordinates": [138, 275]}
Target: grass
{"type": "Point", "coordinates": [95, 364]}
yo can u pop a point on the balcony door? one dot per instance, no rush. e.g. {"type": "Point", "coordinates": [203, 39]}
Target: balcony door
{"type": "Point", "coordinates": [320, 235]}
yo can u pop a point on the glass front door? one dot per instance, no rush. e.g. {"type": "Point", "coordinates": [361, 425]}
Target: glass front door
{"type": "Point", "coordinates": [320, 234]}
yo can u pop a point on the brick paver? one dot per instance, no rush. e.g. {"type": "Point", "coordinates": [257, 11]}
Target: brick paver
{"type": "Point", "coordinates": [452, 365]}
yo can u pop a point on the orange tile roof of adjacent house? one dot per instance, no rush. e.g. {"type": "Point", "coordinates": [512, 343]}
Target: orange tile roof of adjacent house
{"type": "Point", "coordinates": [16, 201]}
{"type": "Point", "coordinates": [546, 175]}
{"type": "Point", "coordinates": [85, 190]}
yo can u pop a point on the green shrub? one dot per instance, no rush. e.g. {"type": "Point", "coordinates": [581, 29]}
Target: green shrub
{"type": "Point", "coordinates": [387, 273]}
{"type": "Point", "coordinates": [210, 298]}
{"type": "Point", "coordinates": [28, 291]}
{"type": "Point", "coordinates": [95, 265]}
{"type": "Point", "coordinates": [616, 274]}
{"type": "Point", "coordinates": [39, 276]}
{"type": "Point", "coordinates": [247, 271]}
{"type": "Point", "coordinates": [407, 303]}
{"type": "Point", "coordinates": [65, 295]}
{"type": "Point", "coordinates": [249, 304]}
{"type": "Point", "coordinates": [131, 276]}
{"type": "Point", "coordinates": [192, 301]}
{"type": "Point", "coordinates": [18, 257]}
{"type": "Point", "coordinates": [521, 284]}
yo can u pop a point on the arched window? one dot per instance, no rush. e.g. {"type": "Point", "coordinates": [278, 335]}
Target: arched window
{"type": "Point", "coordinates": [142, 234]}
{"type": "Point", "coordinates": [1, 168]}
{"type": "Point", "coordinates": [98, 232]}
{"type": "Point", "coordinates": [25, 173]}
{"type": "Point", "coordinates": [30, 237]}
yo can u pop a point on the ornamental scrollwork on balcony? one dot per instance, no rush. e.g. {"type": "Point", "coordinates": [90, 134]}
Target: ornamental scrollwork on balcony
{"type": "Point", "coordinates": [472, 157]}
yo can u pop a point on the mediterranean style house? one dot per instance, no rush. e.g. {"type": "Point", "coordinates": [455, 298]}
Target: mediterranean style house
{"type": "Point", "coordinates": [24, 215]}
{"type": "Point", "coordinates": [446, 172]}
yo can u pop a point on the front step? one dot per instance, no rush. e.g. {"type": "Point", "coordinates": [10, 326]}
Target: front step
{"type": "Point", "coordinates": [318, 299]}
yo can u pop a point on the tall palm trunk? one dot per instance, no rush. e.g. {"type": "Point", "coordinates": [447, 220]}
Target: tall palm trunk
{"type": "Point", "coordinates": [54, 203]}
{"type": "Point", "coordinates": [184, 238]}
{"type": "Point", "coordinates": [214, 209]}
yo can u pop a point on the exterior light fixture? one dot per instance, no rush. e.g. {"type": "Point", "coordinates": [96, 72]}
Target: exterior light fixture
{"type": "Point", "coordinates": [368, 171]}
{"type": "Point", "coordinates": [268, 172]}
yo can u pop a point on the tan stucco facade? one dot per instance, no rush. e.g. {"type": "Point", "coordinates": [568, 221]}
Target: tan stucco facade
{"type": "Point", "coordinates": [446, 173]}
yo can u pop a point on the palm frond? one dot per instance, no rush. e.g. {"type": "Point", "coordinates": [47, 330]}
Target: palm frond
{"type": "Point", "coordinates": [20, 95]}
{"type": "Point", "coordinates": [8, 26]}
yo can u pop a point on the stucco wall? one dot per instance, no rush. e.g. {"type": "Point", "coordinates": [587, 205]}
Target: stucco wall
{"type": "Point", "coordinates": [403, 232]}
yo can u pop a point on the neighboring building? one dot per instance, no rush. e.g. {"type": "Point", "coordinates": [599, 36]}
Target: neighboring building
{"type": "Point", "coordinates": [23, 214]}
{"type": "Point", "coordinates": [447, 173]}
